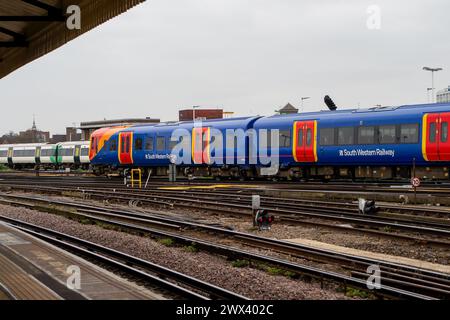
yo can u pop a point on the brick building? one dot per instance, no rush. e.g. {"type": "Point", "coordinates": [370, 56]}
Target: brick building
{"type": "Point", "coordinates": [203, 114]}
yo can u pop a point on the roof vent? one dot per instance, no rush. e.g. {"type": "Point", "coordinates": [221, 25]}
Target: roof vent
{"type": "Point", "coordinates": [330, 104]}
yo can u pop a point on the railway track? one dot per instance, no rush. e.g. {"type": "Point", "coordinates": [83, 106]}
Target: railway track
{"type": "Point", "coordinates": [117, 184]}
{"type": "Point", "coordinates": [337, 216]}
{"type": "Point", "coordinates": [400, 187]}
{"type": "Point", "coordinates": [176, 283]}
{"type": "Point", "coordinates": [403, 281]}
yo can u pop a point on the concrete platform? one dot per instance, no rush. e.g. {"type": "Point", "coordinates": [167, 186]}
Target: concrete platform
{"type": "Point", "coordinates": [373, 255]}
{"type": "Point", "coordinates": [31, 269]}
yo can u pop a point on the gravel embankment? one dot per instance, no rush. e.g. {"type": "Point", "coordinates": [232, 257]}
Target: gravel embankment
{"type": "Point", "coordinates": [250, 282]}
{"type": "Point", "coordinates": [367, 242]}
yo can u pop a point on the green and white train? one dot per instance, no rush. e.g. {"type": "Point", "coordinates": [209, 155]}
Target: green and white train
{"type": "Point", "coordinates": [73, 155]}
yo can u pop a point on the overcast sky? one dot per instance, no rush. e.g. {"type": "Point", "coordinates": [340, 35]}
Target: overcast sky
{"type": "Point", "coordinates": [246, 56]}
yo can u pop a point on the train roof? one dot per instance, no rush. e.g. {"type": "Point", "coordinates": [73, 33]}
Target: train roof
{"type": "Point", "coordinates": [238, 122]}
{"type": "Point", "coordinates": [23, 145]}
{"type": "Point", "coordinates": [405, 110]}
{"type": "Point", "coordinates": [73, 143]}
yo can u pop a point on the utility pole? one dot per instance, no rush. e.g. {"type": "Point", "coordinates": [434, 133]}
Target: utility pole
{"type": "Point", "coordinates": [432, 70]}
{"type": "Point", "coordinates": [428, 94]}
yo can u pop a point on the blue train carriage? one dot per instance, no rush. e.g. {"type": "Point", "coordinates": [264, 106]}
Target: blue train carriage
{"type": "Point", "coordinates": [224, 152]}
{"type": "Point", "coordinates": [150, 147]}
{"type": "Point", "coordinates": [375, 143]}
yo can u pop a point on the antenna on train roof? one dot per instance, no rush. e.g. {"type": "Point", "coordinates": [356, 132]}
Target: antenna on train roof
{"type": "Point", "coordinates": [330, 104]}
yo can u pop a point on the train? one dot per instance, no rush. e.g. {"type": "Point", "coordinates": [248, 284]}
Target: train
{"type": "Point", "coordinates": [393, 142]}
{"type": "Point", "coordinates": [73, 155]}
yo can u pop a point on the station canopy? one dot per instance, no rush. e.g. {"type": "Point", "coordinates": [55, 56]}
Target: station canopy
{"type": "Point", "coordinates": [30, 29]}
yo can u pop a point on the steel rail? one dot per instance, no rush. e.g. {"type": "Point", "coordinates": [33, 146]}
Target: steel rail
{"type": "Point", "coordinates": [234, 252]}
{"type": "Point", "coordinates": [126, 262]}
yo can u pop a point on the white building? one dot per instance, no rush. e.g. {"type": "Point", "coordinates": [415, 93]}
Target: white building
{"type": "Point", "coordinates": [443, 95]}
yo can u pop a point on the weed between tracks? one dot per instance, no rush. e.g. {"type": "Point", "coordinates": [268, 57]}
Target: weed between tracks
{"type": "Point", "coordinates": [274, 271]}
{"type": "Point", "coordinates": [356, 293]}
{"type": "Point", "coordinates": [192, 248]}
{"type": "Point", "coordinates": [240, 263]}
{"type": "Point", "coordinates": [168, 242]}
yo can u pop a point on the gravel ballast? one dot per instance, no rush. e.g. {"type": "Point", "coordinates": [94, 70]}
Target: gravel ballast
{"type": "Point", "coordinates": [253, 283]}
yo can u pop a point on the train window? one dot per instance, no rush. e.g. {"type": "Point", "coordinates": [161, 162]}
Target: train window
{"type": "Point", "coordinates": [308, 137]}
{"type": "Point", "coordinates": [48, 153]}
{"type": "Point", "coordinates": [138, 144]}
{"type": "Point", "coordinates": [113, 145]}
{"type": "Point", "coordinates": [409, 133]}
{"type": "Point", "coordinates": [444, 131]}
{"type": "Point", "coordinates": [285, 138]}
{"type": "Point", "coordinates": [23, 153]}
{"type": "Point", "coordinates": [127, 144]}
{"type": "Point", "coordinates": [160, 144]}
{"type": "Point", "coordinates": [122, 145]}
{"type": "Point", "coordinates": [85, 152]}
{"type": "Point", "coordinates": [327, 137]}
{"type": "Point", "coordinates": [3, 153]}
{"type": "Point", "coordinates": [95, 144]}
{"type": "Point", "coordinates": [149, 144]}
{"type": "Point", "coordinates": [366, 135]}
{"type": "Point", "coordinates": [67, 152]}
{"type": "Point", "coordinates": [432, 137]}
{"type": "Point", "coordinates": [387, 134]}
{"type": "Point", "coordinates": [300, 138]}
{"type": "Point", "coordinates": [346, 136]}
{"type": "Point", "coordinates": [172, 144]}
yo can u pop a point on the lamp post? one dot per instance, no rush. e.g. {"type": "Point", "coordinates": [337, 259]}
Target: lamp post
{"type": "Point", "coordinates": [303, 99]}
{"type": "Point", "coordinates": [428, 94]}
{"type": "Point", "coordinates": [432, 70]}
{"type": "Point", "coordinates": [193, 112]}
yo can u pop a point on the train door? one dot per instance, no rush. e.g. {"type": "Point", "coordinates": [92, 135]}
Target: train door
{"type": "Point", "coordinates": [77, 152]}
{"type": "Point", "coordinates": [10, 156]}
{"type": "Point", "coordinates": [444, 142]}
{"type": "Point", "coordinates": [125, 148]}
{"type": "Point", "coordinates": [200, 145]}
{"type": "Point", "coordinates": [436, 144]}
{"type": "Point", "coordinates": [305, 141]}
{"type": "Point", "coordinates": [37, 155]}
{"type": "Point", "coordinates": [93, 147]}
